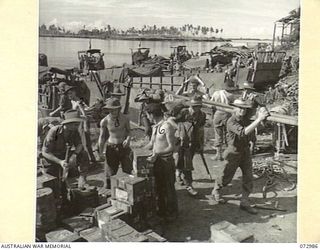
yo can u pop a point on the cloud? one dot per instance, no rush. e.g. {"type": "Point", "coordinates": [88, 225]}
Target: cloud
{"type": "Point", "coordinates": [53, 21]}
{"type": "Point", "coordinates": [246, 16]}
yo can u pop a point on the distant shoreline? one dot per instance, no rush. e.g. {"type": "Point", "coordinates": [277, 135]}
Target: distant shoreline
{"type": "Point", "coordinates": [144, 38]}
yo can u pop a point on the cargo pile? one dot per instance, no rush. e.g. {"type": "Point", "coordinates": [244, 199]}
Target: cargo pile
{"type": "Point", "coordinates": [124, 217]}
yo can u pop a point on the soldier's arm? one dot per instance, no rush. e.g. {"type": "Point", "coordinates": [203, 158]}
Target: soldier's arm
{"type": "Point", "coordinates": [126, 142]}
{"type": "Point", "coordinates": [102, 135]}
{"type": "Point", "coordinates": [78, 144]}
{"type": "Point", "coordinates": [55, 111]}
{"type": "Point", "coordinates": [81, 109]}
{"type": "Point", "coordinates": [181, 88]}
{"type": "Point", "coordinates": [48, 146]}
{"type": "Point", "coordinates": [128, 128]}
{"type": "Point", "coordinates": [151, 142]}
{"type": "Point", "coordinates": [243, 131]}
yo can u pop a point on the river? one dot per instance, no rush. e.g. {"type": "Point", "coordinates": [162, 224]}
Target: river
{"type": "Point", "coordinates": [62, 52]}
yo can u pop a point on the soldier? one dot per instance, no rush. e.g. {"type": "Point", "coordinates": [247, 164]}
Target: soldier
{"type": "Point", "coordinates": [249, 95]}
{"type": "Point", "coordinates": [115, 129]}
{"type": "Point", "coordinates": [238, 154]}
{"type": "Point", "coordinates": [117, 93]}
{"type": "Point", "coordinates": [55, 147]}
{"type": "Point", "coordinates": [64, 101]}
{"type": "Point", "coordinates": [145, 97]}
{"type": "Point", "coordinates": [220, 117]}
{"type": "Point", "coordinates": [84, 128]}
{"type": "Point", "coordinates": [195, 82]}
{"type": "Point", "coordinates": [44, 125]}
{"type": "Point", "coordinates": [191, 133]}
{"type": "Point", "coordinates": [162, 145]}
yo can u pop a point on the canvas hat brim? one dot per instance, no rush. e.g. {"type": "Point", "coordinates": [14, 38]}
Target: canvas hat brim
{"type": "Point", "coordinates": [72, 120]}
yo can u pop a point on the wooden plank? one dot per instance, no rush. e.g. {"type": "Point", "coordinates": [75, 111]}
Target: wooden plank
{"type": "Point", "coordinates": [284, 119]}
{"type": "Point", "coordinates": [156, 84]}
{"type": "Point", "coordinates": [93, 234]}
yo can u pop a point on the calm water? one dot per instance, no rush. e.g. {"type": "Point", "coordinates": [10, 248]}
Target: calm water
{"type": "Point", "coordinates": [62, 52]}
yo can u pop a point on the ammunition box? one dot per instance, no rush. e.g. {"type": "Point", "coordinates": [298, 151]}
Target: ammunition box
{"type": "Point", "coordinates": [128, 188]}
{"type": "Point", "coordinates": [140, 158]}
{"type": "Point", "coordinates": [154, 237]}
{"type": "Point", "coordinates": [106, 214]}
{"type": "Point", "coordinates": [82, 199]}
{"type": "Point", "coordinates": [77, 223]}
{"type": "Point", "coordinates": [119, 231]}
{"type": "Point", "coordinates": [47, 180]}
{"type": "Point", "coordinates": [63, 235]}
{"type": "Point", "coordinates": [93, 234]}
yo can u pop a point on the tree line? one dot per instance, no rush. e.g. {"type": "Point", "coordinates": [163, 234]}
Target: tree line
{"type": "Point", "coordinates": [187, 30]}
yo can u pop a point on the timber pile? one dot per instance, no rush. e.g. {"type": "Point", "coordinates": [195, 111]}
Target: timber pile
{"type": "Point", "coordinates": [290, 83]}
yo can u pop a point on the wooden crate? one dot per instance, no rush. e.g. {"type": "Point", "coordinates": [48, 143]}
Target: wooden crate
{"type": "Point", "coordinates": [225, 232]}
{"type": "Point", "coordinates": [63, 235]}
{"type": "Point", "coordinates": [141, 167]}
{"type": "Point", "coordinates": [154, 237]}
{"type": "Point", "coordinates": [119, 231]}
{"type": "Point", "coordinates": [77, 223]}
{"type": "Point", "coordinates": [82, 199]}
{"type": "Point", "coordinates": [128, 188]}
{"type": "Point", "coordinates": [94, 234]}
{"type": "Point", "coordinates": [47, 180]}
{"type": "Point", "coordinates": [107, 213]}
{"type": "Point", "coordinates": [137, 215]}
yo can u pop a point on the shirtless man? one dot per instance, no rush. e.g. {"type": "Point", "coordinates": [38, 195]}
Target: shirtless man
{"type": "Point", "coordinates": [162, 145]}
{"type": "Point", "coordinates": [115, 129]}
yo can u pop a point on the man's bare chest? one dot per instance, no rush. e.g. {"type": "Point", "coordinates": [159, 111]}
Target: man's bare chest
{"type": "Point", "coordinates": [115, 125]}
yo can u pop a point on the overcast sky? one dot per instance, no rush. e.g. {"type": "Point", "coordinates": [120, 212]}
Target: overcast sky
{"type": "Point", "coordinates": [238, 18]}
